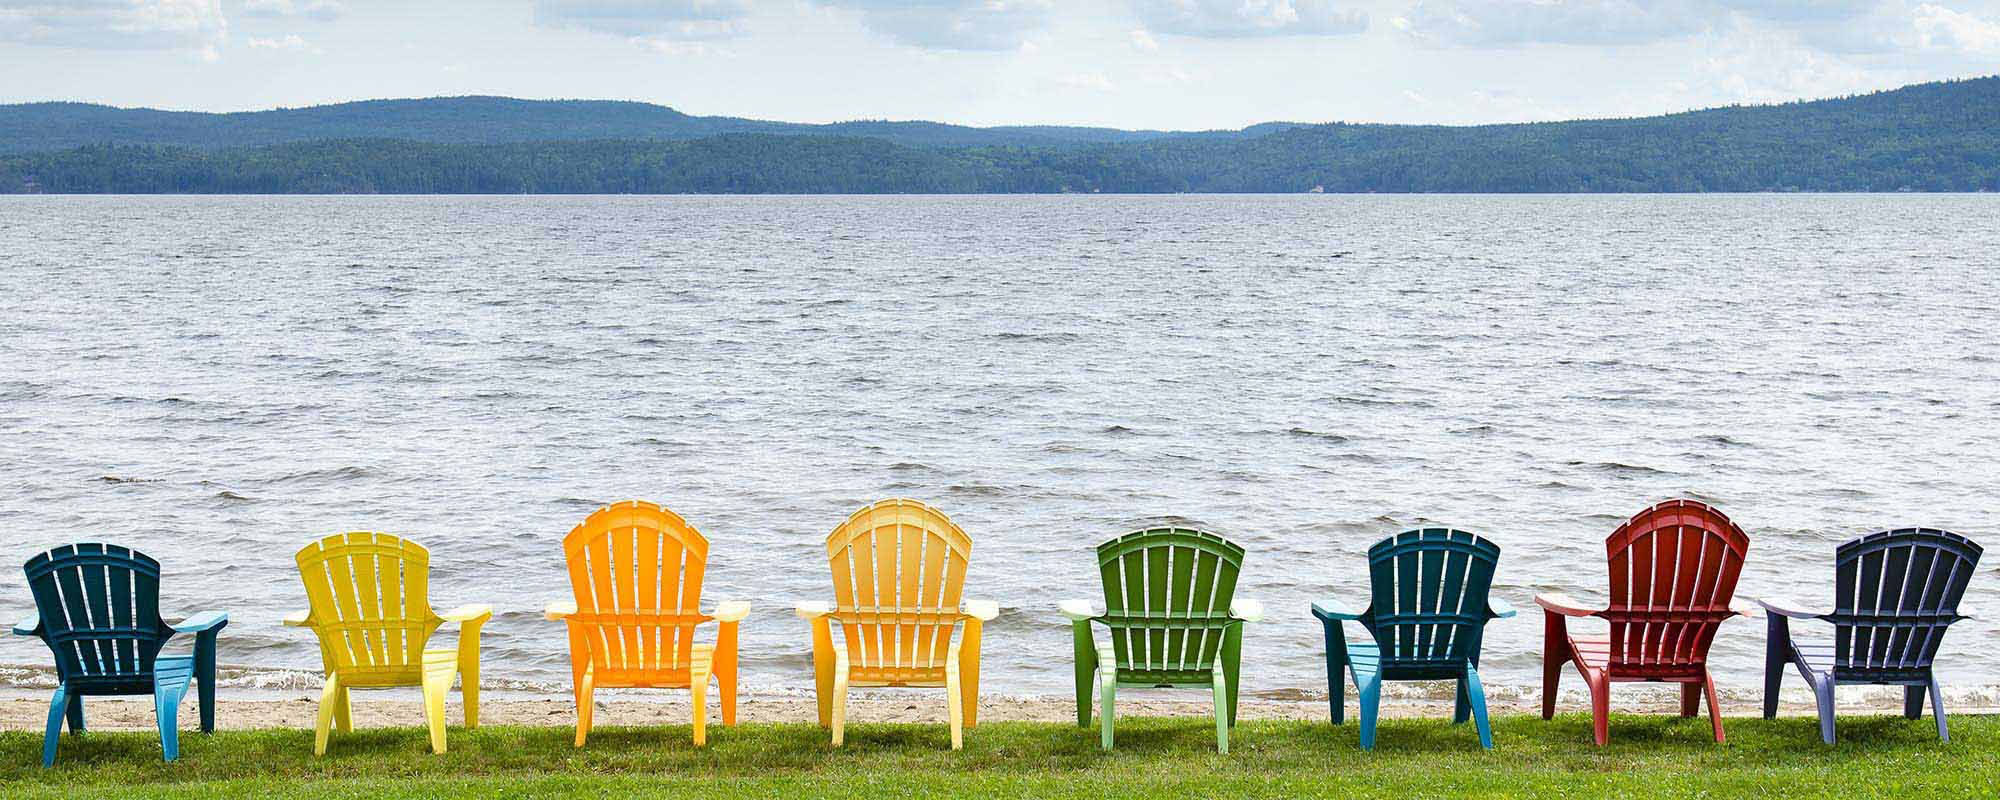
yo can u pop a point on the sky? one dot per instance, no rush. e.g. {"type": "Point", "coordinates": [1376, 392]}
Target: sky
{"type": "Point", "coordinates": [1167, 64]}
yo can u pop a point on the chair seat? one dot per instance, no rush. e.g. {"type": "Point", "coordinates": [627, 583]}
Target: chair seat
{"type": "Point", "coordinates": [1819, 659]}
{"type": "Point", "coordinates": [1164, 678]}
{"type": "Point", "coordinates": [1593, 655]}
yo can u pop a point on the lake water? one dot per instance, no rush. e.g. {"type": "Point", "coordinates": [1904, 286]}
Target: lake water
{"type": "Point", "coordinates": [217, 381]}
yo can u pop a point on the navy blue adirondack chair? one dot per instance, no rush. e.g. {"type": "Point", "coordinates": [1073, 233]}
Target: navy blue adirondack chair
{"type": "Point", "coordinates": [1895, 592]}
{"type": "Point", "coordinates": [98, 609]}
{"type": "Point", "coordinates": [1429, 605]}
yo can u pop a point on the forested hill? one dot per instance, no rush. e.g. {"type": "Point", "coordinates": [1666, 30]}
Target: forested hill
{"type": "Point", "coordinates": [37, 127]}
{"type": "Point", "coordinates": [1929, 137]}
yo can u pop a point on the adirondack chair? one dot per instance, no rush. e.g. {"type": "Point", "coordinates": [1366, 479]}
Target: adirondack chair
{"type": "Point", "coordinates": [898, 578]}
{"type": "Point", "coordinates": [97, 607]}
{"type": "Point", "coordinates": [369, 604]}
{"type": "Point", "coordinates": [1895, 592]}
{"type": "Point", "coordinates": [637, 570]}
{"type": "Point", "coordinates": [1673, 577]}
{"type": "Point", "coordinates": [1429, 605]}
{"type": "Point", "coordinates": [1173, 621]}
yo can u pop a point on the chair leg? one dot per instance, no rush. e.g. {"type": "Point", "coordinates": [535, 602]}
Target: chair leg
{"type": "Point", "coordinates": [171, 676]}
{"type": "Point", "coordinates": [1823, 697]}
{"type": "Point", "coordinates": [839, 703]}
{"type": "Point", "coordinates": [585, 705]}
{"type": "Point", "coordinates": [1913, 702]}
{"type": "Point", "coordinates": [58, 708]}
{"type": "Point", "coordinates": [329, 699]}
{"type": "Point", "coordinates": [436, 686]}
{"type": "Point", "coordinates": [968, 672]}
{"type": "Point", "coordinates": [1336, 671]}
{"type": "Point", "coordinates": [1371, 707]}
{"type": "Point", "coordinates": [725, 670]}
{"type": "Point", "coordinates": [698, 677]}
{"type": "Point", "coordinates": [1937, 710]}
{"type": "Point", "coordinates": [1555, 653]}
{"type": "Point", "coordinates": [1777, 656]}
{"type": "Point", "coordinates": [75, 713]}
{"type": "Point", "coordinates": [1714, 706]}
{"type": "Point", "coordinates": [1600, 708]}
{"type": "Point", "coordinates": [1461, 706]}
{"type": "Point", "coordinates": [1232, 665]}
{"type": "Point", "coordinates": [1107, 695]}
{"type": "Point", "coordinates": [343, 711]}
{"type": "Point", "coordinates": [1222, 716]}
{"type": "Point", "coordinates": [468, 688]}
{"type": "Point", "coordinates": [1476, 697]}
{"type": "Point", "coordinates": [204, 676]}
{"type": "Point", "coordinates": [954, 706]}
{"type": "Point", "coordinates": [1086, 669]}
{"type": "Point", "coordinates": [823, 669]}
{"type": "Point", "coordinates": [1690, 699]}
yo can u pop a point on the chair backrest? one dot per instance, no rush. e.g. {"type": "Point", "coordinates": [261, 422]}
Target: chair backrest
{"type": "Point", "coordinates": [369, 599]}
{"type": "Point", "coordinates": [898, 578]}
{"type": "Point", "coordinates": [1894, 593]}
{"type": "Point", "coordinates": [1428, 598]}
{"type": "Point", "coordinates": [100, 609]}
{"type": "Point", "coordinates": [637, 570]}
{"type": "Point", "coordinates": [1166, 599]}
{"type": "Point", "coordinates": [1673, 572]}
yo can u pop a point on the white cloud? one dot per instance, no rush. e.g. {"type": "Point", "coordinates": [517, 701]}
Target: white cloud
{"type": "Point", "coordinates": [321, 10]}
{"type": "Point", "coordinates": [1141, 40]}
{"type": "Point", "coordinates": [1942, 28]}
{"type": "Point", "coordinates": [291, 41]}
{"type": "Point", "coordinates": [1092, 81]}
{"type": "Point", "coordinates": [954, 24]}
{"type": "Point", "coordinates": [647, 20]}
{"type": "Point", "coordinates": [1503, 23]}
{"type": "Point", "coordinates": [1241, 18]}
{"type": "Point", "coordinates": [196, 26]}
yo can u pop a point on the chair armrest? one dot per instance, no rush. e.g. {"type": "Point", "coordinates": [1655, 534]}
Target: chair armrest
{"type": "Point", "coordinates": [1565, 605]}
{"type": "Point", "coordinates": [982, 610]}
{"type": "Point", "coordinates": [1076, 610]}
{"type": "Point", "coordinates": [559, 610]}
{"type": "Point", "coordinates": [1334, 608]}
{"type": "Point", "coordinates": [1745, 608]}
{"type": "Point", "coordinates": [474, 612]}
{"type": "Point", "coordinates": [1499, 609]}
{"type": "Point", "coordinates": [1247, 610]}
{"type": "Point", "coordinates": [298, 619]}
{"type": "Point", "coordinates": [731, 610]}
{"type": "Point", "coordinates": [30, 625]}
{"type": "Point", "coordinates": [202, 623]}
{"type": "Point", "coordinates": [1787, 608]}
{"type": "Point", "coordinates": [813, 609]}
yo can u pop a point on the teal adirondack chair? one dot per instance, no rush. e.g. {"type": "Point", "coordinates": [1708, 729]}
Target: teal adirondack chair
{"type": "Point", "coordinates": [1428, 610]}
{"type": "Point", "coordinates": [1172, 621]}
{"type": "Point", "coordinates": [97, 607]}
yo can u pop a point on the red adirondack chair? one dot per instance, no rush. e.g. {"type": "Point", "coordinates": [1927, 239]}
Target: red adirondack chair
{"type": "Point", "coordinates": [1673, 577]}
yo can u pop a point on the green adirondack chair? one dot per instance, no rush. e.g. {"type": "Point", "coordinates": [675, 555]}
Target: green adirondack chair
{"type": "Point", "coordinates": [1172, 620]}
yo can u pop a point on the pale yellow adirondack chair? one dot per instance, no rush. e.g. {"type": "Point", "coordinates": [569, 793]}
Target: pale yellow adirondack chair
{"type": "Point", "coordinates": [637, 570]}
{"type": "Point", "coordinates": [898, 575]}
{"type": "Point", "coordinates": [369, 597]}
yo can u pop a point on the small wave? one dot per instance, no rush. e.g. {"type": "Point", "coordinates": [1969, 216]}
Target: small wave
{"type": "Point", "coordinates": [1321, 435]}
{"type": "Point", "coordinates": [1618, 467]}
{"type": "Point", "coordinates": [124, 479]}
{"type": "Point", "coordinates": [322, 475]}
{"type": "Point", "coordinates": [229, 495]}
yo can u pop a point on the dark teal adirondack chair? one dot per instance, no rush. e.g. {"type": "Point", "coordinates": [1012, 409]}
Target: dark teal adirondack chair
{"type": "Point", "coordinates": [98, 609]}
{"type": "Point", "coordinates": [1173, 620]}
{"type": "Point", "coordinates": [1428, 611]}
{"type": "Point", "coordinates": [1895, 592]}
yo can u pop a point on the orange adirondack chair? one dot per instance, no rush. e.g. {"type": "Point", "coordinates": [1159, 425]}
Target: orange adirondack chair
{"type": "Point", "coordinates": [637, 569]}
{"type": "Point", "coordinates": [898, 576]}
{"type": "Point", "coordinates": [1673, 576]}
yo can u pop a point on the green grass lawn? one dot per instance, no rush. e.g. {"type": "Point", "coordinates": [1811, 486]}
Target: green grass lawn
{"type": "Point", "coordinates": [1664, 756]}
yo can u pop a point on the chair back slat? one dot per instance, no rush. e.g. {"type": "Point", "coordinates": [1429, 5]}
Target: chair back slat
{"type": "Point", "coordinates": [898, 579]}
{"type": "Point", "coordinates": [636, 570]}
{"type": "Point", "coordinates": [1895, 592]}
{"type": "Point", "coordinates": [1674, 568]}
{"type": "Point", "coordinates": [369, 600]}
{"type": "Point", "coordinates": [100, 612]}
{"type": "Point", "coordinates": [1428, 597]}
{"type": "Point", "coordinates": [1167, 593]}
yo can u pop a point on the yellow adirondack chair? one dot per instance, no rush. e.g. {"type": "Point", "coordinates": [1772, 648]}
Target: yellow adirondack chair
{"type": "Point", "coordinates": [637, 570]}
{"type": "Point", "coordinates": [369, 597]}
{"type": "Point", "coordinates": [898, 574]}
